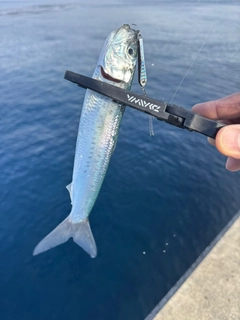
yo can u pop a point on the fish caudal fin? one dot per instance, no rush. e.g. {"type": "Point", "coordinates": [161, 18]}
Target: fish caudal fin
{"type": "Point", "coordinates": [80, 231]}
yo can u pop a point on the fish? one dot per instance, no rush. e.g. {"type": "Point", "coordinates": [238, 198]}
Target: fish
{"type": "Point", "coordinates": [96, 140]}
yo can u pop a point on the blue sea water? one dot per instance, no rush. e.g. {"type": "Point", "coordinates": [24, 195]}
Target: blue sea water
{"type": "Point", "coordinates": [164, 198]}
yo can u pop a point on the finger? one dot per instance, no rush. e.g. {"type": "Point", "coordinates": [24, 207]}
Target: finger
{"type": "Point", "coordinates": [225, 108]}
{"type": "Point", "coordinates": [233, 164]}
{"type": "Point", "coordinates": [228, 141]}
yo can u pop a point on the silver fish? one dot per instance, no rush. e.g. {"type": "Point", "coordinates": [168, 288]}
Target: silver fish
{"type": "Point", "coordinates": [97, 137]}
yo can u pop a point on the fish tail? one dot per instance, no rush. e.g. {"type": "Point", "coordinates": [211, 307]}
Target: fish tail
{"type": "Point", "coordinates": [80, 231]}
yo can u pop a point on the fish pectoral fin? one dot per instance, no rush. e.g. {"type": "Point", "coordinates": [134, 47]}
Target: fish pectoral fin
{"type": "Point", "coordinates": [80, 231]}
{"type": "Point", "coordinates": [69, 187]}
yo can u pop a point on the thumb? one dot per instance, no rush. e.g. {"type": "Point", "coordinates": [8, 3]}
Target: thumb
{"type": "Point", "coordinates": [228, 141]}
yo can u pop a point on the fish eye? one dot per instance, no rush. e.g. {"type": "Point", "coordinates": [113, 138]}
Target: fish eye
{"type": "Point", "coordinates": [130, 51]}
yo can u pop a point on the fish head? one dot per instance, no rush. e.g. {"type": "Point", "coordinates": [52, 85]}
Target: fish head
{"type": "Point", "coordinates": [118, 58]}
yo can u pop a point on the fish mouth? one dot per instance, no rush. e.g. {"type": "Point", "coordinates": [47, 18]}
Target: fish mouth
{"type": "Point", "coordinates": [108, 77]}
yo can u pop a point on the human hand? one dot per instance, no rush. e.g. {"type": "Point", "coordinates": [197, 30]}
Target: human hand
{"type": "Point", "coordinates": [228, 138]}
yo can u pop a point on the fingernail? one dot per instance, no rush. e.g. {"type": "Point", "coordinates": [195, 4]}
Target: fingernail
{"type": "Point", "coordinates": [231, 139]}
{"type": "Point", "coordinates": [197, 106]}
{"type": "Point", "coordinates": [233, 164]}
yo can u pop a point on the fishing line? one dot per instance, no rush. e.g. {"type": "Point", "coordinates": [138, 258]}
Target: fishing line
{"type": "Point", "coordinates": [189, 68]}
